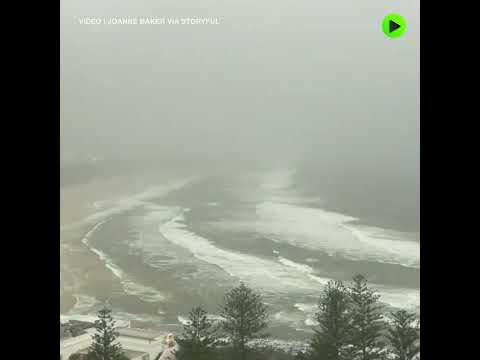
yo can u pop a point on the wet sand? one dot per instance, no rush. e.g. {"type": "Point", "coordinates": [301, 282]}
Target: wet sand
{"type": "Point", "coordinates": [80, 268]}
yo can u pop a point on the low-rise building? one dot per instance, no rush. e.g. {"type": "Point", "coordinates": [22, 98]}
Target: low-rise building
{"type": "Point", "coordinates": [148, 341]}
{"type": "Point", "coordinates": [139, 343]}
{"type": "Point", "coordinates": [130, 354]}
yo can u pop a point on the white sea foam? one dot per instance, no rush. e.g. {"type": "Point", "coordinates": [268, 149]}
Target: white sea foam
{"type": "Point", "coordinates": [104, 211]}
{"type": "Point", "coordinates": [280, 316]}
{"type": "Point", "coordinates": [287, 346]}
{"type": "Point", "coordinates": [284, 215]}
{"type": "Point", "coordinates": [399, 298]}
{"type": "Point", "coordinates": [98, 204]}
{"type": "Point", "coordinates": [309, 310]}
{"type": "Point", "coordinates": [334, 233]}
{"type": "Point", "coordinates": [289, 317]}
{"type": "Point", "coordinates": [131, 202]}
{"type": "Point", "coordinates": [279, 218]}
{"type": "Point", "coordinates": [156, 250]}
{"type": "Point", "coordinates": [395, 297]}
{"type": "Point", "coordinates": [146, 293]}
{"type": "Point", "coordinates": [183, 320]}
{"type": "Point", "coordinates": [272, 186]}
{"type": "Point", "coordinates": [284, 276]}
{"type": "Point", "coordinates": [158, 214]}
{"type": "Point", "coordinates": [89, 234]}
{"type": "Point", "coordinates": [259, 272]}
{"type": "Point", "coordinates": [307, 270]}
{"type": "Point", "coordinates": [310, 321]}
{"type": "Point", "coordinates": [107, 209]}
{"type": "Point", "coordinates": [393, 246]}
{"type": "Point", "coordinates": [83, 304]}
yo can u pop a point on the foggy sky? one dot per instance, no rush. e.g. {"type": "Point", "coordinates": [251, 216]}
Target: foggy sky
{"type": "Point", "coordinates": [277, 80]}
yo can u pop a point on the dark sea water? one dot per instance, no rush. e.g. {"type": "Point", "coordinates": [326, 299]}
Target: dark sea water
{"type": "Point", "coordinates": [172, 250]}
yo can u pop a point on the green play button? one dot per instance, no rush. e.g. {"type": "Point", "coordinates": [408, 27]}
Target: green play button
{"type": "Point", "coordinates": [394, 25]}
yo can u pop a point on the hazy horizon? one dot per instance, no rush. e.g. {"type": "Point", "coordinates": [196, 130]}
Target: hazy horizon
{"type": "Point", "coordinates": [279, 147]}
{"type": "Point", "coordinates": [315, 81]}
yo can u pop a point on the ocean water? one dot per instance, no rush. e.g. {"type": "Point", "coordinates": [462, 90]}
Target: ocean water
{"type": "Point", "coordinates": [173, 247]}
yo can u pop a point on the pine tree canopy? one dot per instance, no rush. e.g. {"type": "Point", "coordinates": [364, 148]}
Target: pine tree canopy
{"type": "Point", "coordinates": [104, 345]}
{"type": "Point", "coordinates": [198, 340]}
{"type": "Point", "coordinates": [244, 316]}
{"type": "Point", "coordinates": [367, 321]}
{"type": "Point", "coordinates": [331, 339]}
{"type": "Point", "coordinates": [404, 335]}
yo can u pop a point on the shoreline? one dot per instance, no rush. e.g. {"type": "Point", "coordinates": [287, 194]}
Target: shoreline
{"type": "Point", "coordinates": [81, 264]}
{"type": "Point", "coordinates": [77, 203]}
{"type": "Point", "coordinates": [79, 206]}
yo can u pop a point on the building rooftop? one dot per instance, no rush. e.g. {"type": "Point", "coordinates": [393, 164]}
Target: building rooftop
{"type": "Point", "coordinates": [140, 334]}
{"type": "Point", "coordinates": [131, 354]}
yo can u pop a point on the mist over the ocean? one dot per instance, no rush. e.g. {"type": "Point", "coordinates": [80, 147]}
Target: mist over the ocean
{"type": "Point", "coordinates": [277, 147]}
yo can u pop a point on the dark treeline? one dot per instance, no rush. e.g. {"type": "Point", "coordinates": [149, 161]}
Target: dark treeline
{"type": "Point", "coordinates": [352, 325]}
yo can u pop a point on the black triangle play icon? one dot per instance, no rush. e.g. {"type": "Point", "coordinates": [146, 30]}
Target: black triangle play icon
{"type": "Point", "coordinates": [392, 26]}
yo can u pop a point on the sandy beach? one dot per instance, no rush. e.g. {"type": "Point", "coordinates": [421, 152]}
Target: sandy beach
{"type": "Point", "coordinates": [77, 262]}
{"type": "Point", "coordinates": [153, 245]}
